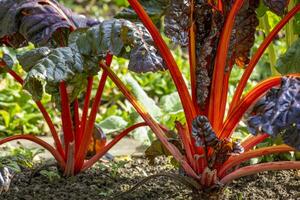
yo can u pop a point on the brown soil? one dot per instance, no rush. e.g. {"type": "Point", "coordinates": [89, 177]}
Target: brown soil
{"type": "Point", "coordinates": [104, 181]}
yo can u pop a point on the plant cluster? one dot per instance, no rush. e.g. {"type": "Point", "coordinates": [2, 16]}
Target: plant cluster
{"type": "Point", "coordinates": [219, 35]}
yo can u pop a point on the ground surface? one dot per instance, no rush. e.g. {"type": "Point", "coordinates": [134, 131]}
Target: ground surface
{"type": "Point", "coordinates": [104, 181]}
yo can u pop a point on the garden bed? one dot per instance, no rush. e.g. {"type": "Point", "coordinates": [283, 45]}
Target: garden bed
{"type": "Point", "coordinates": [105, 180]}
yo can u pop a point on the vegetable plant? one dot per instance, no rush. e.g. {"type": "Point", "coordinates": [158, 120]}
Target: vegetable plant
{"type": "Point", "coordinates": [218, 35]}
{"type": "Point", "coordinates": [63, 64]}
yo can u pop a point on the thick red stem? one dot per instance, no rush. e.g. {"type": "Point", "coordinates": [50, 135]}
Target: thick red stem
{"type": "Point", "coordinates": [254, 169]}
{"type": "Point", "coordinates": [253, 141]}
{"type": "Point", "coordinates": [44, 144]}
{"type": "Point", "coordinates": [66, 117]}
{"type": "Point", "coordinates": [236, 160]}
{"type": "Point", "coordinates": [76, 120]}
{"type": "Point", "coordinates": [84, 112]}
{"type": "Point", "coordinates": [215, 115]}
{"type": "Point", "coordinates": [242, 84]}
{"type": "Point", "coordinates": [89, 128]}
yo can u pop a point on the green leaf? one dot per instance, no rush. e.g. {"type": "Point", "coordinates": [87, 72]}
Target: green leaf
{"type": "Point", "coordinates": [289, 62]}
{"type": "Point", "coordinates": [6, 117]}
{"type": "Point", "coordinates": [142, 97]}
{"type": "Point", "coordinates": [262, 9]}
{"type": "Point", "coordinates": [171, 103]}
{"type": "Point", "coordinates": [112, 124]}
{"type": "Point", "coordinates": [121, 38]}
{"type": "Point", "coordinates": [48, 67]}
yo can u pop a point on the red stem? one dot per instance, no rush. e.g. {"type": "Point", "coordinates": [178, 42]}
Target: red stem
{"type": "Point", "coordinates": [236, 160]}
{"type": "Point", "coordinates": [165, 52]}
{"type": "Point", "coordinates": [85, 111]}
{"type": "Point", "coordinates": [76, 120]}
{"type": "Point", "coordinates": [192, 57]}
{"type": "Point", "coordinates": [16, 76]}
{"type": "Point", "coordinates": [253, 141]}
{"type": "Point", "coordinates": [66, 117]}
{"type": "Point", "coordinates": [151, 123]}
{"type": "Point", "coordinates": [52, 128]}
{"type": "Point", "coordinates": [223, 100]}
{"type": "Point", "coordinates": [218, 83]}
{"type": "Point", "coordinates": [242, 84]}
{"type": "Point", "coordinates": [88, 129]}
{"type": "Point", "coordinates": [103, 151]}
{"type": "Point", "coordinates": [43, 111]}
{"type": "Point", "coordinates": [235, 116]}
{"type": "Point", "coordinates": [44, 144]}
{"type": "Point", "coordinates": [254, 169]}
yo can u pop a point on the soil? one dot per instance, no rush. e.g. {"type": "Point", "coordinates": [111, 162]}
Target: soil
{"type": "Point", "coordinates": [105, 180]}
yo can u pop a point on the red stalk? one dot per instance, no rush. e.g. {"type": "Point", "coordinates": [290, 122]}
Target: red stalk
{"type": "Point", "coordinates": [254, 60]}
{"type": "Point", "coordinates": [235, 116]}
{"type": "Point", "coordinates": [44, 144]}
{"type": "Point", "coordinates": [43, 111]}
{"type": "Point", "coordinates": [151, 123]}
{"type": "Point", "coordinates": [52, 128]}
{"type": "Point", "coordinates": [84, 112]}
{"type": "Point", "coordinates": [76, 120]}
{"type": "Point", "coordinates": [66, 117]}
{"type": "Point", "coordinates": [236, 160]}
{"type": "Point", "coordinates": [182, 131]}
{"type": "Point", "coordinates": [192, 57]}
{"type": "Point", "coordinates": [89, 128]}
{"type": "Point", "coordinates": [220, 5]}
{"type": "Point", "coordinates": [224, 99]}
{"type": "Point", "coordinates": [16, 76]}
{"type": "Point", "coordinates": [96, 157]}
{"type": "Point", "coordinates": [165, 52]}
{"type": "Point", "coordinates": [249, 143]}
{"type": "Point", "coordinates": [215, 116]}
{"type": "Point", "coordinates": [254, 169]}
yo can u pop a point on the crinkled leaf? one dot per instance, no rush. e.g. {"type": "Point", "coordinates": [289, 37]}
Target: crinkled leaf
{"type": "Point", "coordinates": [208, 23]}
{"type": "Point", "coordinates": [277, 6]}
{"type": "Point", "coordinates": [36, 21]}
{"type": "Point", "coordinates": [279, 112]}
{"type": "Point", "coordinates": [243, 35]}
{"type": "Point", "coordinates": [154, 8]}
{"type": "Point", "coordinates": [123, 39]}
{"type": "Point", "coordinates": [289, 62]}
{"type": "Point", "coordinates": [49, 67]}
{"type": "Point", "coordinates": [178, 22]}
